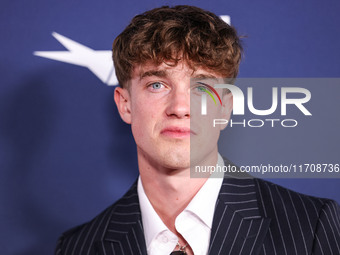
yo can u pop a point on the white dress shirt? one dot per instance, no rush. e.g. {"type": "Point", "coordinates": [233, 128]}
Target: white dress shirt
{"type": "Point", "coordinates": [193, 223]}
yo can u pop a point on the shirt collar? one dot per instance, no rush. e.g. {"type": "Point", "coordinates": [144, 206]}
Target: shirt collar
{"type": "Point", "coordinates": [202, 205]}
{"type": "Point", "coordinates": [152, 223]}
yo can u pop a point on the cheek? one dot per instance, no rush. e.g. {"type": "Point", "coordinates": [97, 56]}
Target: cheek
{"type": "Point", "coordinates": [138, 133]}
{"type": "Point", "coordinates": [142, 121]}
{"type": "Point", "coordinates": [207, 123]}
{"type": "Point", "coordinates": [147, 112]}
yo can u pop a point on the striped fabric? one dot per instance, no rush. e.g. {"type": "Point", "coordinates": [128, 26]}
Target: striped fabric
{"type": "Point", "coordinates": [252, 216]}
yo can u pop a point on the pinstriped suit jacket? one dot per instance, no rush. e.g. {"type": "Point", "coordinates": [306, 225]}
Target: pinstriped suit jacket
{"type": "Point", "coordinates": [252, 216]}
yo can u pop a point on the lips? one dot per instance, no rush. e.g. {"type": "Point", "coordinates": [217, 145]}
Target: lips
{"type": "Point", "coordinates": [177, 132]}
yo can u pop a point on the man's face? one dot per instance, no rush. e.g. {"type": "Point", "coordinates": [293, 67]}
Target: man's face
{"type": "Point", "coordinates": [157, 105]}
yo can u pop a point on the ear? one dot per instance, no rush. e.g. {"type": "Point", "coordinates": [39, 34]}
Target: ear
{"type": "Point", "coordinates": [227, 108]}
{"type": "Point", "coordinates": [123, 102]}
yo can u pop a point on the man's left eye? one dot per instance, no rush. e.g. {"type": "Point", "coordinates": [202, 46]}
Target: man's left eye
{"type": "Point", "coordinates": [202, 89]}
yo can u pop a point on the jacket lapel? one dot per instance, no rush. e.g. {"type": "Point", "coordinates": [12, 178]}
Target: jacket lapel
{"type": "Point", "coordinates": [124, 233]}
{"type": "Point", "coordinates": [238, 227]}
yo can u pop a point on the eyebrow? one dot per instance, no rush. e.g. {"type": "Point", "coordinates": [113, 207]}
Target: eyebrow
{"type": "Point", "coordinates": [205, 76]}
{"type": "Point", "coordinates": [164, 73]}
{"type": "Point", "coordinates": [157, 73]}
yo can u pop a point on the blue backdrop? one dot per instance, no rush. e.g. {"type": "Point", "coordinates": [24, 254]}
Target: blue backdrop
{"type": "Point", "coordinates": [65, 155]}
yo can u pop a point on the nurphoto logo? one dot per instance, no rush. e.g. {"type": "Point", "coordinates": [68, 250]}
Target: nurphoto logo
{"type": "Point", "coordinates": [304, 95]}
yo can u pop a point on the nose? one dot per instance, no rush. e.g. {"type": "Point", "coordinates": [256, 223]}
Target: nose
{"type": "Point", "coordinates": [179, 104]}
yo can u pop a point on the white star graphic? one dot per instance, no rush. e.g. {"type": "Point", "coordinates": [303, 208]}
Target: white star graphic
{"type": "Point", "coordinates": [98, 61]}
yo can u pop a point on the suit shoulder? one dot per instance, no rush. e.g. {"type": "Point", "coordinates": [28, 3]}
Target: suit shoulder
{"type": "Point", "coordinates": [275, 199]}
{"type": "Point", "coordinates": [310, 223]}
{"type": "Point", "coordinates": [276, 193]}
{"type": "Point", "coordinates": [83, 237]}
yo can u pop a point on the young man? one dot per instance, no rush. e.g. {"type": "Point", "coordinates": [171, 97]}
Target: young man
{"type": "Point", "coordinates": [164, 59]}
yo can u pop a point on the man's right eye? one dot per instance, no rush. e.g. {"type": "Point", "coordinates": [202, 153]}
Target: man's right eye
{"type": "Point", "coordinates": [156, 86]}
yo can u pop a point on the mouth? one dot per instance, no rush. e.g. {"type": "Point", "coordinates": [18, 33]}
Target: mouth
{"type": "Point", "coordinates": [177, 132]}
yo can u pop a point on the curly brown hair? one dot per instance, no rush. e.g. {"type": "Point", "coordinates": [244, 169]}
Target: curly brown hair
{"type": "Point", "coordinates": [170, 34]}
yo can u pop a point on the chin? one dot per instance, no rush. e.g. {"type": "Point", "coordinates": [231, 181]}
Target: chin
{"type": "Point", "coordinates": [176, 160]}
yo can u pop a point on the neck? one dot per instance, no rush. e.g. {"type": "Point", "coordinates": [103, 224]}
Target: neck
{"type": "Point", "coordinates": [168, 190]}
